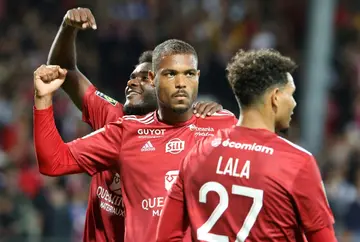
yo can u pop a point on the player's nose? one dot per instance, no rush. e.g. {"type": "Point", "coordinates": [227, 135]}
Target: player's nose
{"type": "Point", "coordinates": [180, 82]}
{"type": "Point", "coordinates": [133, 82]}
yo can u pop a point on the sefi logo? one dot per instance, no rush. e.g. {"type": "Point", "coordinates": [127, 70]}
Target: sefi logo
{"type": "Point", "coordinates": [175, 146]}
{"type": "Point", "coordinates": [151, 133]}
{"type": "Point", "coordinates": [170, 178]}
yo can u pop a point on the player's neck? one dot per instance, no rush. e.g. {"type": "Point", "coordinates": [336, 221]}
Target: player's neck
{"type": "Point", "coordinates": [254, 119]}
{"type": "Point", "coordinates": [168, 116]}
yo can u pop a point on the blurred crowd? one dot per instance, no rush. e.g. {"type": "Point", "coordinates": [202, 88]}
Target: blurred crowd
{"type": "Point", "coordinates": [38, 208]}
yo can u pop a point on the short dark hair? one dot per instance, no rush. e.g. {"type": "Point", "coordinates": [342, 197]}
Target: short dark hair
{"type": "Point", "coordinates": [251, 73]}
{"type": "Point", "coordinates": [171, 47]}
{"type": "Point", "coordinates": [146, 57]}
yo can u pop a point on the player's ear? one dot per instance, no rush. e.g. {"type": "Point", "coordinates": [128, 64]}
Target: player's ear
{"type": "Point", "coordinates": [151, 76]}
{"type": "Point", "coordinates": [275, 98]}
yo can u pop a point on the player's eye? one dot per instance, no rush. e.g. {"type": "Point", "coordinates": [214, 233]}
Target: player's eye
{"type": "Point", "coordinates": [170, 74]}
{"type": "Point", "coordinates": [143, 78]}
{"type": "Point", "coordinates": [190, 74]}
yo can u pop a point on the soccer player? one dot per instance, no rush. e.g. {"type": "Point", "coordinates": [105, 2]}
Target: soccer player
{"type": "Point", "coordinates": [105, 212]}
{"type": "Point", "coordinates": [145, 151]}
{"type": "Point", "coordinates": [246, 183]}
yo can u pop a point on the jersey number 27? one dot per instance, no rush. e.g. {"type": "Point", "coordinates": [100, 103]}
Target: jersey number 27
{"type": "Point", "coordinates": [255, 194]}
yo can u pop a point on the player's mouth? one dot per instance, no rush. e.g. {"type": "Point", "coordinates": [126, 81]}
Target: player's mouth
{"type": "Point", "coordinates": [131, 92]}
{"type": "Point", "coordinates": [180, 95]}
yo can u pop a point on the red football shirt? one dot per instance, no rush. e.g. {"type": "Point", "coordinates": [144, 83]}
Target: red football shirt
{"type": "Point", "coordinates": [251, 185]}
{"type": "Point", "coordinates": [147, 154]}
{"type": "Point", "coordinates": [105, 211]}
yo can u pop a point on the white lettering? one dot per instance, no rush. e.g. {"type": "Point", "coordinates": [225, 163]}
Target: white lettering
{"type": "Point", "coordinates": [150, 203]}
{"type": "Point", "coordinates": [231, 168]}
{"type": "Point", "coordinates": [250, 147]}
{"type": "Point", "coordinates": [245, 172]}
{"type": "Point", "coordinates": [156, 212]}
{"type": "Point", "coordinates": [109, 197]}
{"type": "Point", "coordinates": [151, 131]}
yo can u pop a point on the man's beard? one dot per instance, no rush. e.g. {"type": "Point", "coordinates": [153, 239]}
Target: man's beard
{"type": "Point", "coordinates": [180, 110]}
{"type": "Point", "coordinates": [147, 105]}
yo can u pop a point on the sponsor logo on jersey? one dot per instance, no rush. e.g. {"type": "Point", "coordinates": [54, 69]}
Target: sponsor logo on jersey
{"type": "Point", "coordinates": [242, 146]}
{"type": "Point", "coordinates": [147, 147]}
{"type": "Point", "coordinates": [175, 146]}
{"type": "Point", "coordinates": [110, 198]}
{"type": "Point", "coordinates": [216, 142]}
{"type": "Point", "coordinates": [151, 133]}
{"type": "Point", "coordinates": [202, 131]}
{"type": "Point", "coordinates": [154, 205]}
{"type": "Point", "coordinates": [170, 178]}
{"type": "Point", "coordinates": [106, 98]}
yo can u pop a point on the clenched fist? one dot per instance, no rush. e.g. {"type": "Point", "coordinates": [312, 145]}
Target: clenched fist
{"type": "Point", "coordinates": [48, 79]}
{"type": "Point", "coordinates": [80, 18]}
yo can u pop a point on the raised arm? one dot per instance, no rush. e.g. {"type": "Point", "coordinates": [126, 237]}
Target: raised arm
{"type": "Point", "coordinates": [91, 154]}
{"type": "Point", "coordinates": [63, 52]}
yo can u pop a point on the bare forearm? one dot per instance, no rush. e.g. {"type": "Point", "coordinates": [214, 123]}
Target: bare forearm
{"type": "Point", "coordinates": [63, 53]}
{"type": "Point", "coordinates": [63, 49]}
{"type": "Point", "coordinates": [43, 102]}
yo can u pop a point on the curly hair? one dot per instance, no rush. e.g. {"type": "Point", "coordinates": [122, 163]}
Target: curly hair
{"type": "Point", "coordinates": [146, 57]}
{"type": "Point", "coordinates": [171, 47]}
{"type": "Point", "coordinates": [251, 73]}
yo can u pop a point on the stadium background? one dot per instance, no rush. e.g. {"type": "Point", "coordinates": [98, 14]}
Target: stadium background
{"type": "Point", "coordinates": [323, 36]}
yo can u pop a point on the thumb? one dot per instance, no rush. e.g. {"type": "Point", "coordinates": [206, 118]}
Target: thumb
{"type": "Point", "coordinates": [62, 73]}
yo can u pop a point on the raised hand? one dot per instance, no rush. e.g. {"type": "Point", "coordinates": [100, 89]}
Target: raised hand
{"type": "Point", "coordinates": [80, 18]}
{"type": "Point", "coordinates": [48, 79]}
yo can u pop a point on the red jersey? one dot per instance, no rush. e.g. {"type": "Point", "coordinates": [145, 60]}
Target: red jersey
{"type": "Point", "coordinates": [147, 155]}
{"type": "Point", "coordinates": [250, 185]}
{"type": "Point", "coordinates": [105, 212]}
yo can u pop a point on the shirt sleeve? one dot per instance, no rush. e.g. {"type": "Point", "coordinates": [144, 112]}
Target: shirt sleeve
{"type": "Point", "coordinates": [310, 198]}
{"type": "Point", "coordinates": [99, 109]}
{"type": "Point", "coordinates": [173, 221]}
{"type": "Point", "coordinates": [326, 234]}
{"type": "Point", "coordinates": [52, 154]}
{"type": "Point", "coordinates": [99, 150]}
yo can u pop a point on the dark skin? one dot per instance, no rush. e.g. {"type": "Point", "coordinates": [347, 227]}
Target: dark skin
{"type": "Point", "coordinates": [176, 80]}
{"type": "Point", "coordinates": [63, 53]}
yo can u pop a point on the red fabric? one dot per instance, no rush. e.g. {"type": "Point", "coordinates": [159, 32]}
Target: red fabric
{"type": "Point", "coordinates": [146, 177]}
{"type": "Point", "coordinates": [324, 235]}
{"type": "Point", "coordinates": [173, 222]}
{"type": "Point", "coordinates": [254, 168]}
{"type": "Point", "coordinates": [53, 155]}
{"type": "Point", "coordinates": [105, 212]}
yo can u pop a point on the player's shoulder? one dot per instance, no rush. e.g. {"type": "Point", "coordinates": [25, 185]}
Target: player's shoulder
{"type": "Point", "coordinates": [292, 148]}
{"type": "Point", "coordinates": [101, 97]}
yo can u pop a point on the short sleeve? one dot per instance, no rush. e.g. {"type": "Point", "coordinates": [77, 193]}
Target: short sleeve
{"type": "Point", "coordinates": [310, 198]}
{"type": "Point", "coordinates": [99, 109]}
{"type": "Point", "coordinates": [99, 150]}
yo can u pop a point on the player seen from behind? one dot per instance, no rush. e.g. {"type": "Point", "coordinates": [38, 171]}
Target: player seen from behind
{"type": "Point", "coordinates": [246, 183]}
